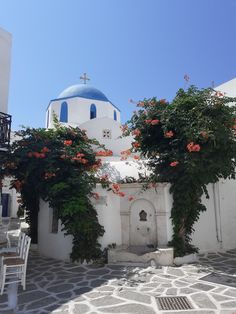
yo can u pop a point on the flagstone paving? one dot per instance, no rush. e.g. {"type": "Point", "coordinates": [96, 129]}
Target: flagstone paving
{"type": "Point", "coordinates": [66, 288]}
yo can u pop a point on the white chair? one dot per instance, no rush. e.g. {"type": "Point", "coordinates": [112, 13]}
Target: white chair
{"type": "Point", "coordinates": [14, 269]}
{"type": "Point", "coordinates": [4, 238]}
{"type": "Point", "coordinates": [14, 251]}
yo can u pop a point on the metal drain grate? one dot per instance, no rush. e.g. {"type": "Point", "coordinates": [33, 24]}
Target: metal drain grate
{"type": "Point", "coordinates": [173, 303]}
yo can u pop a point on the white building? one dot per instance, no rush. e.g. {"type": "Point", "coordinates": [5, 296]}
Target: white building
{"type": "Point", "coordinates": [5, 62]}
{"type": "Point", "coordinates": [7, 197]}
{"type": "Point", "coordinates": [145, 220]}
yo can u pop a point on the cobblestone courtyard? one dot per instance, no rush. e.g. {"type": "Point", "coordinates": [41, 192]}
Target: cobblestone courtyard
{"type": "Point", "coordinates": [65, 288]}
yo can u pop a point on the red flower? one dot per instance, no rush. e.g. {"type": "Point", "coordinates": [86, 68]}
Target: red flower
{"type": "Point", "coordinates": [234, 126]}
{"type": "Point", "coordinates": [67, 142]}
{"type": "Point", "coordinates": [148, 121]}
{"type": "Point", "coordinates": [136, 157]}
{"type": "Point", "coordinates": [169, 134]}
{"type": "Point", "coordinates": [130, 198]}
{"type": "Point", "coordinates": [174, 163]}
{"type": "Point", "coordinates": [30, 154]}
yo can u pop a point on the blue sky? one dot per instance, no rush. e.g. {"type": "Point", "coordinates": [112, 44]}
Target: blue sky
{"type": "Point", "coordinates": [129, 48]}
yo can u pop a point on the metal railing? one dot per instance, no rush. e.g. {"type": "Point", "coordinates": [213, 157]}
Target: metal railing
{"type": "Point", "coordinates": [5, 130]}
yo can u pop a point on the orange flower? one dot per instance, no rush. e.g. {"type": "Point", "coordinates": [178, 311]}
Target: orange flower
{"type": "Point", "coordinates": [122, 194]}
{"type": "Point", "coordinates": [154, 122]}
{"type": "Point", "coordinates": [126, 152]}
{"type": "Point", "coordinates": [219, 94]}
{"type": "Point", "coordinates": [104, 153]}
{"type": "Point", "coordinates": [115, 187]}
{"type": "Point", "coordinates": [169, 134]}
{"type": "Point", "coordinates": [130, 198]}
{"type": "Point", "coordinates": [136, 144]}
{"type": "Point", "coordinates": [83, 161]}
{"type": "Point", "coordinates": [204, 134]}
{"type": "Point", "coordinates": [45, 150]}
{"type": "Point", "coordinates": [36, 154]}
{"type": "Point", "coordinates": [96, 195]}
{"type": "Point", "coordinates": [67, 142]}
{"type": "Point", "coordinates": [49, 175]}
{"type": "Point", "coordinates": [104, 177]}
{"type": "Point", "coordinates": [174, 163]}
{"type": "Point", "coordinates": [191, 147]}
{"type": "Point", "coordinates": [162, 101]}
{"type": "Point", "coordinates": [136, 132]}
{"type": "Point", "coordinates": [17, 185]}
{"type": "Point", "coordinates": [140, 104]}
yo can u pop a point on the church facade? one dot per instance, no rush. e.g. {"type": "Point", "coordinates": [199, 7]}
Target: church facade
{"type": "Point", "coordinates": [144, 219]}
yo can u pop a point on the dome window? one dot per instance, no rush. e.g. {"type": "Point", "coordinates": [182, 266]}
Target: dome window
{"type": "Point", "coordinates": [93, 112]}
{"type": "Point", "coordinates": [115, 115]}
{"type": "Point", "coordinates": [64, 112]}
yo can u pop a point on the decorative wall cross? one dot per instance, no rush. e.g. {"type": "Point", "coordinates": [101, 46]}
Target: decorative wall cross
{"type": "Point", "coordinates": [84, 78]}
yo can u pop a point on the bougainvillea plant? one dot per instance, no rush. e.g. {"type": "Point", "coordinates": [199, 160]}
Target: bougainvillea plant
{"type": "Point", "coordinates": [59, 166]}
{"type": "Point", "coordinates": [189, 142]}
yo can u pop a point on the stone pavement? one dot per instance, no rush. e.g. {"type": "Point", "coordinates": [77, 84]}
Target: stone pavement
{"type": "Point", "coordinates": [65, 288]}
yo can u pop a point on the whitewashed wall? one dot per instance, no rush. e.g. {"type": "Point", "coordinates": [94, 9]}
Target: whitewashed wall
{"type": "Point", "coordinates": [114, 213]}
{"type": "Point", "coordinates": [216, 229]}
{"type": "Point", "coordinates": [50, 244]}
{"type": "Point", "coordinates": [5, 60]}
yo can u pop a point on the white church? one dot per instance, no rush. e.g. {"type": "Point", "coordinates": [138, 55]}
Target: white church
{"type": "Point", "coordinates": [139, 219]}
{"type": "Point", "coordinates": [144, 219]}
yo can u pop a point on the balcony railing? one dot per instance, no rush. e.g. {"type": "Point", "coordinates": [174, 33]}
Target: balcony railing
{"type": "Point", "coordinates": [5, 130]}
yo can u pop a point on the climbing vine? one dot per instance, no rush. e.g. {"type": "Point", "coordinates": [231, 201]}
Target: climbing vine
{"type": "Point", "coordinates": [189, 142]}
{"type": "Point", "coordinates": [59, 166]}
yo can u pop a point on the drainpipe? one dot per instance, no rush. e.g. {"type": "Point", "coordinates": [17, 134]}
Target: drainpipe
{"type": "Point", "coordinates": [217, 212]}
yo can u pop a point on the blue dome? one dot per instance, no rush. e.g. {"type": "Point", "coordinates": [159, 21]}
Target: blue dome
{"type": "Point", "coordinates": [84, 91]}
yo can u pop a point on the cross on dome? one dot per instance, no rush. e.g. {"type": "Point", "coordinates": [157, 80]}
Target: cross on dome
{"type": "Point", "coordinates": [84, 78]}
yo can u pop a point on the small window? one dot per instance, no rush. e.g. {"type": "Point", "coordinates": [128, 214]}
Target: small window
{"type": "Point", "coordinates": [143, 215]}
{"type": "Point", "coordinates": [93, 112]}
{"type": "Point", "coordinates": [64, 112]}
{"type": "Point", "coordinates": [106, 133]}
{"type": "Point", "coordinates": [115, 115]}
{"type": "Point", "coordinates": [54, 225]}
